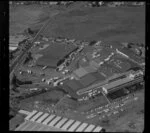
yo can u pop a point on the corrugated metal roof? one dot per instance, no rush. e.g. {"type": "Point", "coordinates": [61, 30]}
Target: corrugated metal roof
{"type": "Point", "coordinates": [69, 123]}
{"type": "Point", "coordinates": [74, 84]}
{"type": "Point", "coordinates": [74, 126]}
{"type": "Point", "coordinates": [31, 114]}
{"type": "Point", "coordinates": [98, 76]}
{"type": "Point", "coordinates": [33, 126]}
{"type": "Point", "coordinates": [61, 122]}
{"type": "Point", "coordinates": [89, 69]}
{"type": "Point", "coordinates": [45, 122]}
{"type": "Point", "coordinates": [89, 128]}
{"type": "Point", "coordinates": [87, 80]}
{"type": "Point", "coordinates": [97, 129]}
{"type": "Point", "coordinates": [81, 128]}
{"type": "Point", "coordinates": [54, 121]}
{"type": "Point", "coordinates": [56, 124]}
{"type": "Point", "coordinates": [116, 83]}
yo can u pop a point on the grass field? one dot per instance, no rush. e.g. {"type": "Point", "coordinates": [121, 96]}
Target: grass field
{"type": "Point", "coordinates": [25, 16]}
{"type": "Point", "coordinates": [53, 53]}
{"type": "Point", "coordinates": [131, 115]}
{"type": "Point", "coordinates": [42, 101]}
{"type": "Point", "coordinates": [104, 23]}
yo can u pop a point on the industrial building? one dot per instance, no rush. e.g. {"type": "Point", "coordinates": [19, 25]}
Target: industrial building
{"type": "Point", "coordinates": [94, 64]}
{"type": "Point", "coordinates": [89, 69]}
{"type": "Point", "coordinates": [80, 72]}
{"type": "Point", "coordinates": [39, 121]}
{"type": "Point", "coordinates": [110, 86]}
{"type": "Point", "coordinates": [131, 79]}
{"type": "Point", "coordinates": [131, 55]}
{"type": "Point", "coordinates": [74, 84]}
{"type": "Point", "coordinates": [87, 80]}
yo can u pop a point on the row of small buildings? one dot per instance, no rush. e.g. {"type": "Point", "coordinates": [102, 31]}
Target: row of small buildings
{"type": "Point", "coordinates": [40, 121]}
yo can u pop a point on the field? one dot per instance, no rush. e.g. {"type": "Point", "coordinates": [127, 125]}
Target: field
{"type": "Point", "coordinates": [42, 101]}
{"type": "Point", "coordinates": [133, 114]}
{"type": "Point", "coordinates": [53, 53]}
{"type": "Point", "coordinates": [120, 24]}
{"type": "Point", "coordinates": [25, 16]}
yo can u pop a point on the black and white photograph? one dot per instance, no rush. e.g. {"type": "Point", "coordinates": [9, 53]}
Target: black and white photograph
{"type": "Point", "coordinates": [77, 66]}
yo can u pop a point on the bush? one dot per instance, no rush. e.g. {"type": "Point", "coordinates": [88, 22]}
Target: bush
{"type": "Point", "coordinates": [28, 58]}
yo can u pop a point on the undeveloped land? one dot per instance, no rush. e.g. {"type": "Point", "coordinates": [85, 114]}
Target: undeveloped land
{"type": "Point", "coordinates": [28, 16]}
{"type": "Point", "coordinates": [119, 24]}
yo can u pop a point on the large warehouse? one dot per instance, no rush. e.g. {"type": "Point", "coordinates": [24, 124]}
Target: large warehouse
{"type": "Point", "coordinates": [40, 121]}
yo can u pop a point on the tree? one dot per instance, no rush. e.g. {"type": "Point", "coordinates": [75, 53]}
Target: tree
{"type": "Point", "coordinates": [13, 81]}
{"type": "Point", "coordinates": [106, 122]}
{"type": "Point", "coordinates": [30, 31]}
{"type": "Point", "coordinates": [28, 58]}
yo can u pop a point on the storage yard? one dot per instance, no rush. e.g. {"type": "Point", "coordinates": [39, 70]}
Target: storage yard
{"type": "Point", "coordinates": [75, 78]}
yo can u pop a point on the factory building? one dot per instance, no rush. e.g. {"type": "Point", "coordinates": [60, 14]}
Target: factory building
{"type": "Point", "coordinates": [39, 121]}
{"type": "Point", "coordinates": [74, 85]}
{"type": "Point", "coordinates": [131, 55]}
{"type": "Point", "coordinates": [80, 72]}
{"type": "Point", "coordinates": [87, 80]}
{"type": "Point", "coordinates": [108, 87]}
{"type": "Point", "coordinates": [122, 82]}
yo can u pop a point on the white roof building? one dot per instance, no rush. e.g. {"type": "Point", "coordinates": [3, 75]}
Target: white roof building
{"type": "Point", "coordinates": [39, 121]}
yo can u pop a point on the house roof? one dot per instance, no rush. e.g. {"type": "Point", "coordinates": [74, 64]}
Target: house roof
{"type": "Point", "coordinates": [116, 83]}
